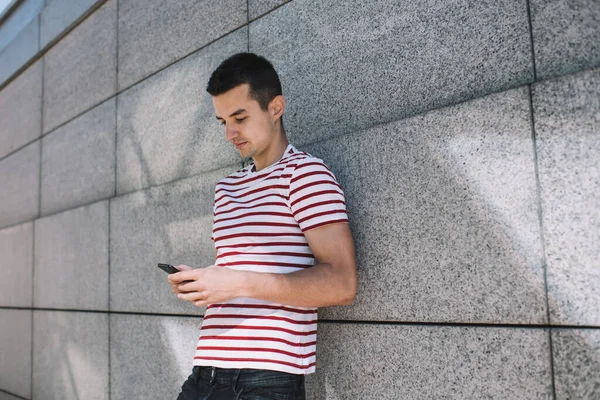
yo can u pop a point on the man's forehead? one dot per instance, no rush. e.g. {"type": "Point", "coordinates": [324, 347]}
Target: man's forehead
{"type": "Point", "coordinates": [232, 106]}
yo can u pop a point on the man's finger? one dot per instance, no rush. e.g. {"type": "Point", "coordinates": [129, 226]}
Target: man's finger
{"type": "Point", "coordinates": [187, 275]}
{"type": "Point", "coordinates": [191, 296]}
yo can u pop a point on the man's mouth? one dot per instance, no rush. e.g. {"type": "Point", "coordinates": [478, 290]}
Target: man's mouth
{"type": "Point", "coordinates": [240, 145]}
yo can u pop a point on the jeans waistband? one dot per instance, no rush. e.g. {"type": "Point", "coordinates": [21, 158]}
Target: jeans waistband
{"type": "Point", "coordinates": [229, 376]}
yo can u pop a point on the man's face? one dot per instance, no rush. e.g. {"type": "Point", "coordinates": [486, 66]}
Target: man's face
{"type": "Point", "coordinates": [247, 127]}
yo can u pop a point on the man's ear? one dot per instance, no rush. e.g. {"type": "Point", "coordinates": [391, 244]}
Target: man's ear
{"type": "Point", "coordinates": [277, 106]}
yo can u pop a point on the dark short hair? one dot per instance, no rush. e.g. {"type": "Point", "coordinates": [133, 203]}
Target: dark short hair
{"type": "Point", "coordinates": [248, 68]}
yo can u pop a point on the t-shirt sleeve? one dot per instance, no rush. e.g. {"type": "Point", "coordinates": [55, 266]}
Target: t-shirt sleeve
{"type": "Point", "coordinates": [316, 199]}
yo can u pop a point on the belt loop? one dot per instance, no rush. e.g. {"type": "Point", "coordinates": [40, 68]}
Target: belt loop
{"type": "Point", "coordinates": [213, 374]}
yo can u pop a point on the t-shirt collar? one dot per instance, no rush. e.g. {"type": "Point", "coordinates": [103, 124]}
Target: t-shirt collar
{"type": "Point", "coordinates": [290, 149]}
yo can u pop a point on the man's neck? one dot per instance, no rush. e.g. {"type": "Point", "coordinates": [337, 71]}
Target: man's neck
{"type": "Point", "coordinates": [274, 155]}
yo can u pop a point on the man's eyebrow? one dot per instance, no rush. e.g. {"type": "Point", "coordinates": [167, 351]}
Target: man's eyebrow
{"type": "Point", "coordinates": [236, 112]}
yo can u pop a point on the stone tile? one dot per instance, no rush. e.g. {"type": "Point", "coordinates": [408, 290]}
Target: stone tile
{"type": "Point", "coordinates": [21, 110]}
{"type": "Point", "coordinates": [166, 124]}
{"type": "Point", "coordinates": [347, 66]}
{"type": "Point", "coordinates": [430, 362]}
{"type": "Point", "coordinates": [71, 259]}
{"type": "Point", "coordinates": [18, 19]}
{"type": "Point", "coordinates": [576, 363]}
{"type": "Point", "coordinates": [80, 70]}
{"type": "Point", "coordinates": [566, 36]}
{"type": "Point", "coordinates": [19, 184]}
{"type": "Point", "coordinates": [70, 358]}
{"type": "Point", "coordinates": [567, 125]}
{"type": "Point", "coordinates": [15, 352]}
{"type": "Point", "coordinates": [6, 396]}
{"type": "Point", "coordinates": [164, 224]}
{"type": "Point", "coordinates": [164, 346]}
{"type": "Point", "coordinates": [58, 15]}
{"type": "Point", "coordinates": [88, 144]}
{"type": "Point", "coordinates": [155, 33]}
{"type": "Point", "coordinates": [444, 212]}
{"type": "Point", "coordinates": [20, 50]}
{"type": "Point", "coordinates": [259, 7]}
{"type": "Point", "coordinates": [16, 266]}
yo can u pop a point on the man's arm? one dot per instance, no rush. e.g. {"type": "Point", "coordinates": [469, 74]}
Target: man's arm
{"type": "Point", "coordinates": [333, 281]}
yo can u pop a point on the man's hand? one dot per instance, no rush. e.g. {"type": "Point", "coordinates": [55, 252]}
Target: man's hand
{"type": "Point", "coordinates": [210, 285]}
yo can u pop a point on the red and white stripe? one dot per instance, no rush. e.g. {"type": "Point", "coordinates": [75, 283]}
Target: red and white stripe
{"type": "Point", "coordinates": [259, 224]}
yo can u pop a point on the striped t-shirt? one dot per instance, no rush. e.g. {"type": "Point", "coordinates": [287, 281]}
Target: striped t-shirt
{"type": "Point", "coordinates": [259, 220]}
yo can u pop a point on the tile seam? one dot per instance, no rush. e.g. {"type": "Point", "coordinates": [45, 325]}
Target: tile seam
{"type": "Point", "coordinates": [541, 225]}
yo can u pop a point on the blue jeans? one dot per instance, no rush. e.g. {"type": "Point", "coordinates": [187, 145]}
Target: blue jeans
{"type": "Point", "coordinates": [212, 383]}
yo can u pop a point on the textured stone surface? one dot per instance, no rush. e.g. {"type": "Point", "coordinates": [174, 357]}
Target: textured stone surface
{"type": "Point", "coordinates": [20, 50]}
{"type": "Point", "coordinates": [18, 19]}
{"type": "Point", "coordinates": [21, 110]}
{"type": "Point", "coordinates": [430, 362]}
{"type": "Point", "coordinates": [259, 7]}
{"type": "Point", "coordinates": [71, 259]}
{"type": "Point", "coordinates": [164, 224]}
{"type": "Point", "coordinates": [6, 396]}
{"type": "Point", "coordinates": [567, 124]}
{"type": "Point", "coordinates": [80, 70]}
{"type": "Point", "coordinates": [58, 15]}
{"type": "Point", "coordinates": [155, 33]}
{"type": "Point", "coordinates": [166, 125]}
{"type": "Point", "coordinates": [566, 35]}
{"type": "Point", "coordinates": [350, 65]}
{"type": "Point", "coordinates": [70, 358]}
{"type": "Point", "coordinates": [16, 265]}
{"type": "Point", "coordinates": [15, 352]}
{"type": "Point", "coordinates": [78, 160]}
{"type": "Point", "coordinates": [576, 363]}
{"type": "Point", "coordinates": [19, 185]}
{"type": "Point", "coordinates": [443, 210]}
{"type": "Point", "coordinates": [151, 356]}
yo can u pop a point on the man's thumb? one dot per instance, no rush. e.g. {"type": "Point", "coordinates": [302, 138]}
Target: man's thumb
{"type": "Point", "coordinates": [183, 267]}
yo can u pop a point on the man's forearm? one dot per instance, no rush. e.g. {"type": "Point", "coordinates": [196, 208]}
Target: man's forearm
{"type": "Point", "coordinates": [318, 286]}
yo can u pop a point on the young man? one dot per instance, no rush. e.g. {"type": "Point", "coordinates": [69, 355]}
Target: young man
{"type": "Point", "coordinates": [283, 248]}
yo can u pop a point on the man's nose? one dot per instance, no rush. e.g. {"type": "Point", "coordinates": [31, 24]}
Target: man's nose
{"type": "Point", "coordinates": [230, 133]}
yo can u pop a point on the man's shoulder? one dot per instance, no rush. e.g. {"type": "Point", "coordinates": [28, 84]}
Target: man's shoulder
{"type": "Point", "coordinates": [235, 175]}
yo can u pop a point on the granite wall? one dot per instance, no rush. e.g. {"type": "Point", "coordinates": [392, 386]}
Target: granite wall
{"type": "Point", "coordinates": [466, 136]}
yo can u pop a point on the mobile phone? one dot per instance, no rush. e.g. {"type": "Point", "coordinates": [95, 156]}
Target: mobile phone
{"type": "Point", "coordinates": [169, 269]}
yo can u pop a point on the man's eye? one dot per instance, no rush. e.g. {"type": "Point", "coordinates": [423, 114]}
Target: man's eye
{"type": "Point", "coordinates": [237, 119]}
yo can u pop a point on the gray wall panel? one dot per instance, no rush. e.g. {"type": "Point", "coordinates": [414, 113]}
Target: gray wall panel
{"type": "Point", "coordinates": [151, 356]}
{"type": "Point", "coordinates": [70, 360]}
{"type": "Point", "coordinates": [58, 15]}
{"type": "Point", "coordinates": [443, 209]}
{"type": "Point", "coordinates": [155, 33]}
{"type": "Point", "coordinates": [16, 265]}
{"type": "Point", "coordinates": [351, 65]}
{"type": "Point", "coordinates": [576, 363]}
{"type": "Point", "coordinates": [567, 124]}
{"type": "Point", "coordinates": [6, 396]}
{"type": "Point", "coordinates": [21, 110]}
{"type": "Point", "coordinates": [357, 361]}
{"type": "Point", "coordinates": [78, 160]}
{"type": "Point", "coordinates": [80, 70]}
{"type": "Point", "coordinates": [15, 352]}
{"type": "Point", "coordinates": [19, 185]}
{"type": "Point", "coordinates": [166, 125]}
{"type": "Point", "coordinates": [71, 259]}
{"type": "Point", "coordinates": [259, 7]}
{"type": "Point", "coordinates": [566, 36]}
